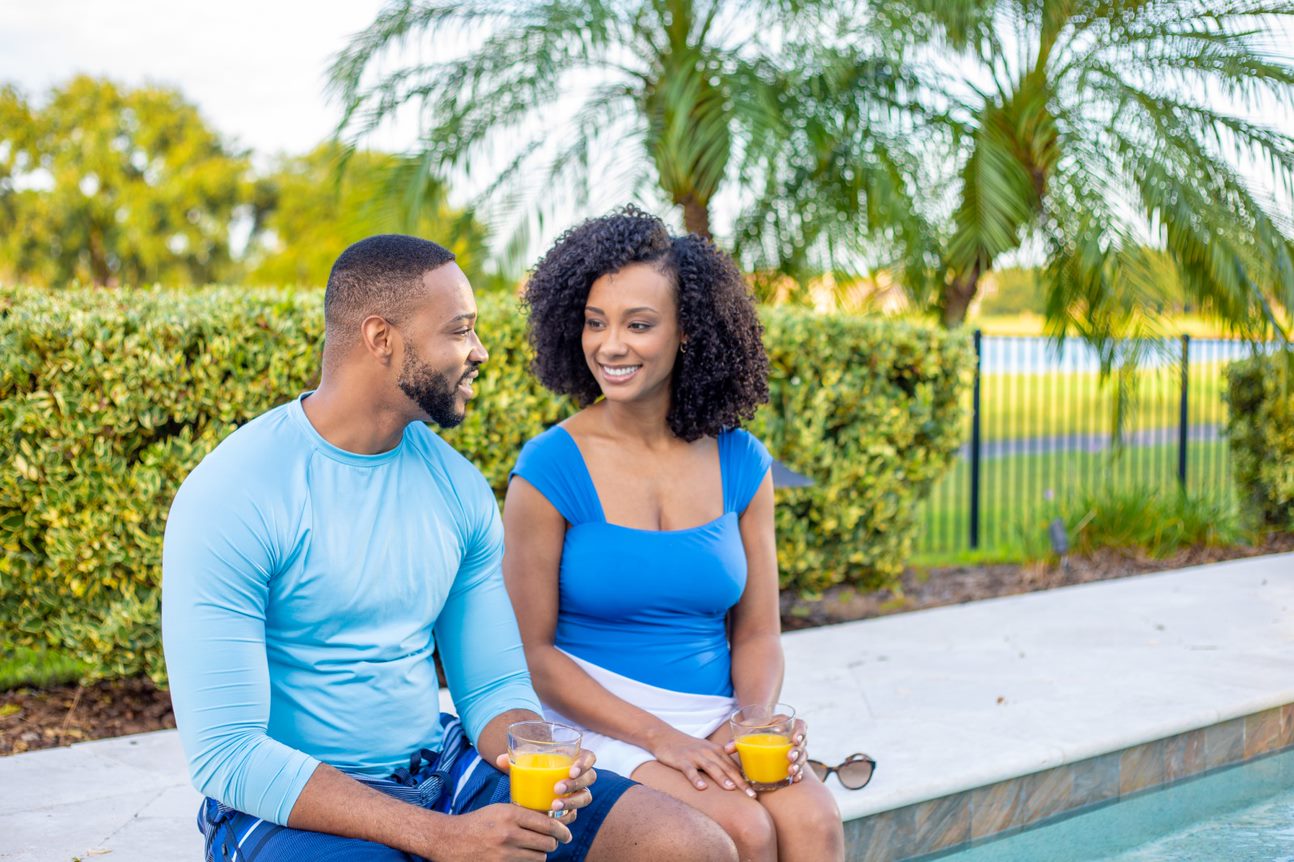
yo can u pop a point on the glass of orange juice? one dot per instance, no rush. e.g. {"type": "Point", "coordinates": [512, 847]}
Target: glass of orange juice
{"type": "Point", "coordinates": [763, 738]}
{"type": "Point", "coordinates": [540, 754]}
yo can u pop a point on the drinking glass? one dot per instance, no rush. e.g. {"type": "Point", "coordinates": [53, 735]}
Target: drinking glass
{"type": "Point", "coordinates": [541, 754]}
{"type": "Point", "coordinates": [763, 737]}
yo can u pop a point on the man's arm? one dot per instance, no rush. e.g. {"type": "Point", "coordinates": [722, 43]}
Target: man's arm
{"type": "Point", "coordinates": [339, 805]}
{"type": "Point", "coordinates": [476, 632]}
{"type": "Point", "coordinates": [217, 559]}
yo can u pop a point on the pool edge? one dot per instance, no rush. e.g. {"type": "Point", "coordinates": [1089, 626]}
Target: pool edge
{"type": "Point", "coordinates": [935, 827]}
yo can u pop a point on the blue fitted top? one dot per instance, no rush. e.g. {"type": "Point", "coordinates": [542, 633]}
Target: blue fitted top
{"type": "Point", "coordinates": [647, 604]}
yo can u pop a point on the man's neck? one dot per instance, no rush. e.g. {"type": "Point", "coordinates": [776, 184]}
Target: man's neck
{"type": "Point", "coordinates": [349, 416]}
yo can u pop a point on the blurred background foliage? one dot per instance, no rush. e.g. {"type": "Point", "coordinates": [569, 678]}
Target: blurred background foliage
{"type": "Point", "coordinates": [112, 396]}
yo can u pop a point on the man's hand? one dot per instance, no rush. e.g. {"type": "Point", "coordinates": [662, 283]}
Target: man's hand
{"type": "Point", "coordinates": [505, 832]}
{"type": "Point", "coordinates": [498, 833]}
{"type": "Point", "coordinates": [573, 793]}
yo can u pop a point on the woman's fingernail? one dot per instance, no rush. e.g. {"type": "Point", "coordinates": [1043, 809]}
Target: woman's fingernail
{"type": "Point", "coordinates": [729, 785]}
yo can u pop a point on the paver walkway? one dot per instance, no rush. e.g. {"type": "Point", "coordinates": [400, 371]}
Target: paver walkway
{"type": "Point", "coordinates": [945, 699]}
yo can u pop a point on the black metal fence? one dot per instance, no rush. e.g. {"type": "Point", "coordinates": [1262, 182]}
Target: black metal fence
{"type": "Point", "coordinates": [1041, 431]}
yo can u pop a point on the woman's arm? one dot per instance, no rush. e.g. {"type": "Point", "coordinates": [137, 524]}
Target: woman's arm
{"type": "Point", "coordinates": [534, 532]}
{"type": "Point", "coordinates": [757, 662]}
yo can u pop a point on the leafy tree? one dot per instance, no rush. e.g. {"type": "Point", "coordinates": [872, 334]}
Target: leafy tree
{"type": "Point", "coordinates": [104, 184]}
{"type": "Point", "coordinates": [671, 92]}
{"type": "Point", "coordinates": [311, 207]}
{"type": "Point", "coordinates": [1102, 132]}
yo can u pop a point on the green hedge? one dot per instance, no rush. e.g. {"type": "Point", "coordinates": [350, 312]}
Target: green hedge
{"type": "Point", "coordinates": [108, 399]}
{"type": "Point", "coordinates": [1260, 428]}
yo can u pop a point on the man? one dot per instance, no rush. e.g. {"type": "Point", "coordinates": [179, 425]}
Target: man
{"type": "Point", "coordinates": [313, 562]}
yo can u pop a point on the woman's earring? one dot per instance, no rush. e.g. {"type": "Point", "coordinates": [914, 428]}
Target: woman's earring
{"type": "Point", "coordinates": [682, 347]}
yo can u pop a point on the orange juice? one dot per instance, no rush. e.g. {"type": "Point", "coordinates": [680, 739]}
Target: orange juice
{"type": "Point", "coordinates": [764, 756]}
{"type": "Point", "coordinates": [533, 777]}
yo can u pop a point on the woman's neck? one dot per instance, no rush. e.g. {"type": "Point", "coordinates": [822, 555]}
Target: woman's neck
{"type": "Point", "coordinates": [643, 423]}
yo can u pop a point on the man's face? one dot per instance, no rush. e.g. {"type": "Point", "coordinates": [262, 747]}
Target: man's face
{"type": "Point", "coordinates": [441, 349]}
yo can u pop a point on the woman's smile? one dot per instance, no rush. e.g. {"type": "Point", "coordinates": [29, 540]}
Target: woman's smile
{"type": "Point", "coordinates": [616, 374]}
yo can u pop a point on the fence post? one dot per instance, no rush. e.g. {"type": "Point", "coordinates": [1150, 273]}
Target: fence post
{"type": "Point", "coordinates": [1183, 420]}
{"type": "Point", "coordinates": [975, 445]}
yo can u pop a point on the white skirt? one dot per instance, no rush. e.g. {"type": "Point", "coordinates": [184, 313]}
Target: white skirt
{"type": "Point", "coordinates": [694, 714]}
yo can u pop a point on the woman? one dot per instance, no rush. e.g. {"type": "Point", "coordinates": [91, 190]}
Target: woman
{"type": "Point", "coordinates": [640, 552]}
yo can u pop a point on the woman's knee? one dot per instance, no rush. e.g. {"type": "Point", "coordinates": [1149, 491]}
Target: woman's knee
{"type": "Point", "coordinates": [811, 819]}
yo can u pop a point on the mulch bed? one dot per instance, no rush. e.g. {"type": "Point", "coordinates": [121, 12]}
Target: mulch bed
{"type": "Point", "coordinates": [64, 714]}
{"type": "Point", "coordinates": [61, 715]}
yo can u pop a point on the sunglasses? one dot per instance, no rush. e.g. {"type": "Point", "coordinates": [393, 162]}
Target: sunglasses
{"type": "Point", "coordinates": [854, 772]}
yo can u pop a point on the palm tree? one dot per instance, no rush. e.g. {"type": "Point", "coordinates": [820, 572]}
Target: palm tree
{"type": "Point", "coordinates": [671, 92]}
{"type": "Point", "coordinates": [1099, 135]}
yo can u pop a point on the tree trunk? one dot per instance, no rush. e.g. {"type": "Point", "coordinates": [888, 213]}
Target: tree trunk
{"type": "Point", "coordinates": [958, 296]}
{"type": "Point", "coordinates": [696, 215]}
{"type": "Point", "coordinates": [99, 271]}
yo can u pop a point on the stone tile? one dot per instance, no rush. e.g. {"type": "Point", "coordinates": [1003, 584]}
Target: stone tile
{"type": "Point", "coordinates": [175, 803]}
{"type": "Point", "coordinates": [883, 837]}
{"type": "Point", "coordinates": [1262, 732]}
{"type": "Point", "coordinates": [1183, 755]}
{"type": "Point", "coordinates": [996, 808]}
{"type": "Point", "coordinates": [941, 823]}
{"type": "Point", "coordinates": [149, 839]}
{"type": "Point", "coordinates": [70, 829]}
{"type": "Point", "coordinates": [59, 776]}
{"type": "Point", "coordinates": [1046, 794]}
{"type": "Point", "coordinates": [1141, 766]}
{"type": "Point", "coordinates": [1095, 780]}
{"type": "Point", "coordinates": [1224, 744]}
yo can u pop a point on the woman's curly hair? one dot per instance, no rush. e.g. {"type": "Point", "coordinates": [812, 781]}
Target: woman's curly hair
{"type": "Point", "coordinates": [718, 381]}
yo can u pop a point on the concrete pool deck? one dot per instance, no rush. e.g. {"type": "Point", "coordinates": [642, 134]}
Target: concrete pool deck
{"type": "Point", "coordinates": [983, 717]}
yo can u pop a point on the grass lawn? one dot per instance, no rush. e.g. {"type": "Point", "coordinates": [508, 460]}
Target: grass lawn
{"type": "Point", "coordinates": [1021, 494]}
{"type": "Point", "coordinates": [20, 666]}
{"type": "Point", "coordinates": [1026, 323]}
{"type": "Point", "coordinates": [1021, 406]}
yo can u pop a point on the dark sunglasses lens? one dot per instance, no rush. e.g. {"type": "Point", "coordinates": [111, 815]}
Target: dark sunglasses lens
{"type": "Point", "coordinates": [819, 769]}
{"type": "Point", "coordinates": [855, 774]}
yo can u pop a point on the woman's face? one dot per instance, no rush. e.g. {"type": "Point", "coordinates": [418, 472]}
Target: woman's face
{"type": "Point", "coordinates": [631, 333]}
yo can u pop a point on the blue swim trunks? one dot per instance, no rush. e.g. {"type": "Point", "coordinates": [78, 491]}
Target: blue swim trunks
{"type": "Point", "coordinates": [454, 780]}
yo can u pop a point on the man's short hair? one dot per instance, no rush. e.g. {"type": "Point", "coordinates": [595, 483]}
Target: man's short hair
{"type": "Point", "coordinates": [379, 275]}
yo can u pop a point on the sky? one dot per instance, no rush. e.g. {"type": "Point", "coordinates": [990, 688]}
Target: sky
{"type": "Point", "coordinates": [256, 70]}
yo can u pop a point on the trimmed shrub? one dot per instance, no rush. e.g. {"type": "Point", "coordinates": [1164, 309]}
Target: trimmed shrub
{"type": "Point", "coordinates": [1260, 428]}
{"type": "Point", "coordinates": [109, 398]}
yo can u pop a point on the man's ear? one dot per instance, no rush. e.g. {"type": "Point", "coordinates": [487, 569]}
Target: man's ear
{"type": "Point", "coordinates": [379, 338]}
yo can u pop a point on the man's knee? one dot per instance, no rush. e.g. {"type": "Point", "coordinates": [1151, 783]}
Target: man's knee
{"type": "Point", "coordinates": [750, 826]}
{"type": "Point", "coordinates": [649, 825]}
{"type": "Point", "coordinates": [703, 837]}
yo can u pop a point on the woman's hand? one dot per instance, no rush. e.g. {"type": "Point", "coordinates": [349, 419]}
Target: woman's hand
{"type": "Point", "coordinates": [799, 749]}
{"type": "Point", "coordinates": [698, 758]}
{"type": "Point", "coordinates": [799, 753]}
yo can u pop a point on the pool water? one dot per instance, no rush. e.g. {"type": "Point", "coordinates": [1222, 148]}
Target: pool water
{"type": "Point", "coordinates": [1240, 814]}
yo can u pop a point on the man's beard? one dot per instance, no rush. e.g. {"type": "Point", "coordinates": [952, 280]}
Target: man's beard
{"type": "Point", "coordinates": [431, 390]}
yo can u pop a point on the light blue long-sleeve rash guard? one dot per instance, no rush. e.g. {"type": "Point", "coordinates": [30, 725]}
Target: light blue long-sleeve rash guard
{"type": "Point", "coordinates": [304, 590]}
